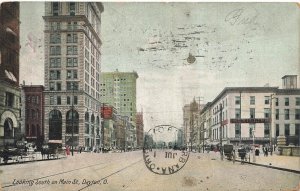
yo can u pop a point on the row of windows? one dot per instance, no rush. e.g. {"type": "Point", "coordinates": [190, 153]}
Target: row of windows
{"type": "Point", "coordinates": [57, 100]}
{"type": "Point", "coordinates": [33, 131]}
{"type": "Point", "coordinates": [56, 86]}
{"type": "Point", "coordinates": [287, 129]}
{"type": "Point", "coordinates": [33, 99]}
{"type": "Point", "coordinates": [56, 50]}
{"type": "Point", "coordinates": [56, 8]}
{"type": "Point", "coordinates": [55, 38]}
{"type": "Point", "coordinates": [56, 26]}
{"type": "Point", "coordinates": [267, 100]}
{"type": "Point", "coordinates": [32, 114]}
{"type": "Point", "coordinates": [56, 74]}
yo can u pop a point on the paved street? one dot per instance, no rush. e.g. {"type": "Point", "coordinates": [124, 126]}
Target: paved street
{"type": "Point", "coordinates": [127, 171]}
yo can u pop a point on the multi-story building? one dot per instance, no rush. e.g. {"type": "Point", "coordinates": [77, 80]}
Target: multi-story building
{"type": "Point", "coordinates": [286, 112]}
{"type": "Point", "coordinates": [72, 72]}
{"type": "Point", "coordinates": [10, 129]}
{"type": "Point", "coordinates": [119, 90]}
{"type": "Point", "coordinates": [242, 111]}
{"type": "Point", "coordinates": [33, 113]}
{"type": "Point", "coordinates": [139, 129]}
{"type": "Point", "coordinates": [205, 130]}
{"type": "Point", "coordinates": [257, 115]}
{"type": "Point", "coordinates": [191, 123]}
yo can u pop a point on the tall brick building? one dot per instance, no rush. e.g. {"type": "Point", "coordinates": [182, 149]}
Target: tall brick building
{"type": "Point", "coordinates": [33, 113]}
{"type": "Point", "coordinates": [9, 73]}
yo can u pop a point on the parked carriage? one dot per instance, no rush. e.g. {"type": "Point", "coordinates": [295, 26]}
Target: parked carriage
{"type": "Point", "coordinates": [229, 151]}
{"type": "Point", "coordinates": [53, 151]}
{"type": "Point", "coordinates": [14, 153]}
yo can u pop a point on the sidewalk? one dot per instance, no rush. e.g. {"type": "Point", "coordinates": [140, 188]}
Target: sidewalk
{"type": "Point", "coordinates": [286, 162]}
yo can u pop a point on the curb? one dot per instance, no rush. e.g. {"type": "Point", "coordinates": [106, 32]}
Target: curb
{"type": "Point", "coordinates": [273, 167]}
{"type": "Point", "coordinates": [22, 162]}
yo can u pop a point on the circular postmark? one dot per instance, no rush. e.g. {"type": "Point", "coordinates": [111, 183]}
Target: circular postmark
{"type": "Point", "coordinates": [164, 152]}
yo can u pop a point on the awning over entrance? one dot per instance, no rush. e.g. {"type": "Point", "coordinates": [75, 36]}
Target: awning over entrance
{"type": "Point", "coordinates": [55, 141]}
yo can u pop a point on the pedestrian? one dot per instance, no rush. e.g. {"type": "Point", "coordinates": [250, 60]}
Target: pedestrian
{"type": "Point", "coordinates": [67, 150]}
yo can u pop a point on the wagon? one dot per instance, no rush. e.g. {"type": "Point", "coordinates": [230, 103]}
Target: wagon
{"type": "Point", "coordinates": [229, 151]}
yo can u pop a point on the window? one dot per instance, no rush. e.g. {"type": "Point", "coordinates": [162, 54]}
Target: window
{"type": "Point", "coordinates": [267, 100]}
{"type": "Point", "coordinates": [277, 114]}
{"type": "Point", "coordinates": [87, 77]}
{"type": "Point", "coordinates": [58, 100]}
{"type": "Point", "coordinates": [267, 112]}
{"type": "Point", "coordinates": [54, 26]}
{"type": "Point", "coordinates": [55, 63]}
{"type": "Point", "coordinates": [297, 130]}
{"type": "Point", "coordinates": [277, 130]}
{"type": "Point", "coordinates": [87, 66]}
{"type": "Point", "coordinates": [51, 100]}
{"type": "Point", "coordinates": [297, 100]}
{"type": "Point", "coordinates": [54, 50]}
{"type": "Point", "coordinates": [276, 102]}
{"type": "Point", "coordinates": [252, 100]}
{"type": "Point", "coordinates": [72, 85]}
{"type": "Point", "coordinates": [286, 129]}
{"type": "Point", "coordinates": [55, 8]}
{"type": "Point", "coordinates": [72, 8]}
{"type": "Point", "coordinates": [286, 101]}
{"type": "Point", "coordinates": [252, 113]}
{"type": "Point", "coordinates": [75, 100]}
{"type": "Point", "coordinates": [237, 130]}
{"type": "Point", "coordinates": [54, 74]}
{"type": "Point", "coordinates": [297, 114]}
{"type": "Point", "coordinates": [32, 114]}
{"type": "Point", "coordinates": [72, 38]}
{"type": "Point", "coordinates": [55, 38]}
{"type": "Point", "coordinates": [68, 100]}
{"type": "Point", "coordinates": [72, 62]}
{"type": "Point", "coordinates": [251, 128]}
{"type": "Point", "coordinates": [286, 114]}
{"type": "Point", "coordinates": [71, 50]}
{"type": "Point", "coordinates": [9, 99]}
{"type": "Point", "coordinates": [71, 74]}
{"type": "Point", "coordinates": [266, 130]}
{"type": "Point", "coordinates": [237, 100]}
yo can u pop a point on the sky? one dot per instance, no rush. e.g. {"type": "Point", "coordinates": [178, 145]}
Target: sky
{"type": "Point", "coordinates": [182, 50]}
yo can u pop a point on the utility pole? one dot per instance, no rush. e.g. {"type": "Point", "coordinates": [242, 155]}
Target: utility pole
{"type": "Point", "coordinates": [240, 124]}
{"type": "Point", "coordinates": [221, 137]}
{"type": "Point", "coordinates": [270, 122]}
{"type": "Point", "coordinates": [73, 119]}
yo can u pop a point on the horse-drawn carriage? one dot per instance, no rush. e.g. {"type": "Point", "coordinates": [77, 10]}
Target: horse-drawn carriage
{"type": "Point", "coordinates": [229, 152]}
{"type": "Point", "coordinates": [53, 151]}
{"type": "Point", "coordinates": [16, 154]}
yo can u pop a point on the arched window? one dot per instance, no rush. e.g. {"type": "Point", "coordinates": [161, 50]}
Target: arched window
{"type": "Point", "coordinates": [72, 119]}
{"type": "Point", "coordinates": [86, 130]}
{"type": "Point", "coordinates": [92, 124]}
{"type": "Point", "coordinates": [8, 128]}
{"type": "Point", "coordinates": [97, 126]}
{"type": "Point", "coordinates": [55, 125]}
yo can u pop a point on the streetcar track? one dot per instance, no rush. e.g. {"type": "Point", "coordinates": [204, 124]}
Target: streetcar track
{"type": "Point", "coordinates": [64, 172]}
{"type": "Point", "coordinates": [112, 174]}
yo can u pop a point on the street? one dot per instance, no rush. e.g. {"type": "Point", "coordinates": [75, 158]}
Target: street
{"type": "Point", "coordinates": [127, 171]}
